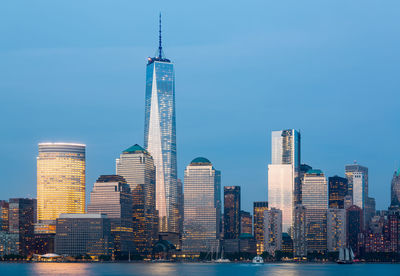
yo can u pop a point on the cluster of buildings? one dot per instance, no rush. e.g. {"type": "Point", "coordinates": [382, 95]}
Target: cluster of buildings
{"type": "Point", "coordinates": [145, 210]}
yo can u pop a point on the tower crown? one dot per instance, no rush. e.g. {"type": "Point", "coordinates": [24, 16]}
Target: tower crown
{"type": "Point", "coordinates": [160, 54]}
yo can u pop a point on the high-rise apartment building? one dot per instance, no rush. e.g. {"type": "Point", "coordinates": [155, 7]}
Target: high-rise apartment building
{"type": "Point", "coordinates": [60, 182]}
{"type": "Point", "coordinates": [231, 212]}
{"type": "Point", "coordinates": [136, 166]}
{"type": "Point", "coordinates": [336, 229]}
{"type": "Point", "coordinates": [300, 231]}
{"type": "Point", "coordinates": [284, 186]}
{"type": "Point", "coordinates": [21, 222]}
{"type": "Point", "coordinates": [246, 223]}
{"type": "Point", "coordinates": [160, 136]}
{"type": "Point", "coordinates": [272, 230]}
{"type": "Point", "coordinates": [258, 217]}
{"type": "Point", "coordinates": [315, 200]}
{"type": "Point", "coordinates": [112, 196]}
{"type": "Point", "coordinates": [202, 207]}
{"type": "Point", "coordinates": [337, 190]}
{"type": "Point", "coordinates": [395, 189]}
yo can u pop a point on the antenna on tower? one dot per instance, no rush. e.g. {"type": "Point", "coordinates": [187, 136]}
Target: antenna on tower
{"type": "Point", "coordinates": [159, 40]}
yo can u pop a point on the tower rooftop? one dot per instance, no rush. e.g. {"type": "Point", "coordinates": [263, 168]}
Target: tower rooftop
{"type": "Point", "coordinates": [200, 161]}
{"type": "Point", "coordinates": [135, 149]}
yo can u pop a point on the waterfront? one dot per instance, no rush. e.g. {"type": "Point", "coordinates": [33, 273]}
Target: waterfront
{"type": "Point", "coordinates": [193, 269]}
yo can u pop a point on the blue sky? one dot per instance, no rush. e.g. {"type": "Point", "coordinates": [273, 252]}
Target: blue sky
{"type": "Point", "coordinates": [75, 71]}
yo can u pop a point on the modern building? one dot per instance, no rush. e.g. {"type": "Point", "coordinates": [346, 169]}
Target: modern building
{"type": "Point", "coordinates": [60, 183]}
{"type": "Point", "coordinates": [21, 222]}
{"type": "Point", "coordinates": [181, 207]}
{"type": "Point", "coordinates": [336, 229]}
{"type": "Point", "coordinates": [272, 230]}
{"type": "Point", "coordinates": [258, 218]}
{"type": "Point", "coordinates": [354, 225]}
{"type": "Point", "coordinates": [284, 185]}
{"type": "Point", "coordinates": [81, 234]}
{"type": "Point", "coordinates": [246, 223]}
{"type": "Point", "coordinates": [395, 189]}
{"type": "Point", "coordinates": [9, 243]}
{"type": "Point", "coordinates": [300, 231]}
{"type": "Point", "coordinates": [112, 196]}
{"type": "Point", "coordinates": [315, 200]}
{"type": "Point", "coordinates": [357, 177]}
{"type": "Point", "coordinates": [4, 209]}
{"type": "Point", "coordinates": [202, 207]}
{"type": "Point", "coordinates": [160, 136]}
{"type": "Point", "coordinates": [337, 190]}
{"type": "Point", "coordinates": [136, 166]}
{"type": "Point", "coordinates": [287, 244]}
{"type": "Point", "coordinates": [231, 212]}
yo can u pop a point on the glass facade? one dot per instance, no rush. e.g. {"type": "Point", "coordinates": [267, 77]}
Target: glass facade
{"type": "Point", "coordinates": [258, 216]}
{"type": "Point", "coordinates": [315, 200]}
{"type": "Point", "coordinates": [246, 223]}
{"type": "Point", "coordinates": [231, 212]}
{"type": "Point", "coordinates": [337, 191]}
{"type": "Point", "coordinates": [60, 181]}
{"type": "Point", "coordinates": [202, 213]}
{"type": "Point", "coordinates": [349, 171]}
{"type": "Point", "coordinates": [395, 189]}
{"type": "Point", "coordinates": [160, 139]}
{"type": "Point", "coordinates": [4, 208]}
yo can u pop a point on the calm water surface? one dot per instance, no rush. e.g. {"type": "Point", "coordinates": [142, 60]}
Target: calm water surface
{"type": "Point", "coordinates": [179, 269]}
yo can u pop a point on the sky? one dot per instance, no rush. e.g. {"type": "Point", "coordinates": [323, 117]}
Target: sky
{"type": "Point", "coordinates": [74, 71]}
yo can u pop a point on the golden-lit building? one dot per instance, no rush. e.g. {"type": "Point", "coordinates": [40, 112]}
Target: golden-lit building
{"type": "Point", "coordinates": [258, 215]}
{"type": "Point", "coordinates": [60, 183]}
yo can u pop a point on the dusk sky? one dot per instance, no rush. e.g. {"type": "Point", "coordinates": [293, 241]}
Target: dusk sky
{"type": "Point", "coordinates": [74, 71]}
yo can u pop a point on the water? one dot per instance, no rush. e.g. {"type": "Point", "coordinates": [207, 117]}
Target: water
{"type": "Point", "coordinates": [194, 269]}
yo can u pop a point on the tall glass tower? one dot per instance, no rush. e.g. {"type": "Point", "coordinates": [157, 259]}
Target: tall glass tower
{"type": "Point", "coordinates": [160, 136]}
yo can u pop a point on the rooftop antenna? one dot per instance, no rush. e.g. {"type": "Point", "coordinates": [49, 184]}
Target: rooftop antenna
{"type": "Point", "coordinates": [159, 40]}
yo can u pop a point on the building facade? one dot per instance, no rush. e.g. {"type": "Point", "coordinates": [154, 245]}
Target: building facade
{"type": "Point", "coordinates": [395, 189]}
{"type": "Point", "coordinates": [60, 182]}
{"type": "Point", "coordinates": [357, 177]}
{"type": "Point", "coordinates": [354, 225]}
{"type": "Point", "coordinates": [202, 212]}
{"type": "Point", "coordinates": [4, 210]}
{"type": "Point", "coordinates": [337, 190]}
{"type": "Point", "coordinates": [315, 200]}
{"type": "Point", "coordinates": [112, 196]}
{"type": "Point", "coordinates": [300, 231]}
{"type": "Point", "coordinates": [80, 234]}
{"type": "Point", "coordinates": [272, 230]}
{"type": "Point", "coordinates": [231, 212]}
{"type": "Point", "coordinates": [336, 229]}
{"type": "Point", "coordinates": [136, 166]}
{"type": "Point", "coordinates": [160, 136]}
{"type": "Point", "coordinates": [246, 223]}
{"type": "Point", "coordinates": [284, 186]}
{"type": "Point", "coordinates": [258, 217]}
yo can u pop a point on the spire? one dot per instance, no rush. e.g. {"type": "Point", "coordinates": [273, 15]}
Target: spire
{"type": "Point", "coordinates": [159, 40]}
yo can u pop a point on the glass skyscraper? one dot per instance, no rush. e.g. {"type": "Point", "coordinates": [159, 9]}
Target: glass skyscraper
{"type": "Point", "coordinates": [231, 212]}
{"type": "Point", "coordinates": [202, 207]}
{"type": "Point", "coordinates": [284, 186]}
{"type": "Point", "coordinates": [60, 182]}
{"type": "Point", "coordinates": [395, 189]}
{"type": "Point", "coordinates": [160, 136]}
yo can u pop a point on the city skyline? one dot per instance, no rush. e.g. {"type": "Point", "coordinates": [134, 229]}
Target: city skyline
{"type": "Point", "coordinates": [329, 155]}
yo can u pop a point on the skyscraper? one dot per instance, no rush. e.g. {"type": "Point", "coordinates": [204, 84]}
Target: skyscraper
{"type": "Point", "coordinates": [136, 165]}
{"type": "Point", "coordinates": [395, 189]}
{"type": "Point", "coordinates": [354, 224]}
{"type": "Point", "coordinates": [160, 136]}
{"type": "Point", "coordinates": [337, 191]}
{"type": "Point", "coordinates": [246, 223]}
{"type": "Point", "coordinates": [315, 200]}
{"type": "Point", "coordinates": [284, 186]}
{"type": "Point", "coordinates": [336, 229]}
{"type": "Point", "coordinates": [272, 230]}
{"type": "Point", "coordinates": [4, 209]}
{"type": "Point", "coordinates": [300, 231]}
{"type": "Point", "coordinates": [112, 196]}
{"type": "Point", "coordinates": [231, 212]}
{"type": "Point", "coordinates": [202, 207]}
{"type": "Point", "coordinates": [60, 182]}
{"type": "Point", "coordinates": [359, 190]}
{"type": "Point", "coordinates": [258, 217]}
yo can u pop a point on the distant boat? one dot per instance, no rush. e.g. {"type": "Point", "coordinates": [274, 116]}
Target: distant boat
{"type": "Point", "coordinates": [258, 260]}
{"type": "Point", "coordinates": [346, 256]}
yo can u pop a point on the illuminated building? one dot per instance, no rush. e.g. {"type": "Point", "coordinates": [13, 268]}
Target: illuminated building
{"type": "Point", "coordinates": [160, 136]}
{"type": "Point", "coordinates": [336, 229]}
{"type": "Point", "coordinates": [231, 212]}
{"type": "Point", "coordinates": [258, 216]}
{"type": "Point", "coordinates": [112, 196]}
{"type": "Point", "coordinates": [246, 223]}
{"type": "Point", "coordinates": [360, 192]}
{"type": "Point", "coordinates": [284, 185]}
{"type": "Point", "coordinates": [272, 230]}
{"type": "Point", "coordinates": [315, 200]}
{"type": "Point", "coordinates": [60, 183]}
{"type": "Point", "coordinates": [21, 222]}
{"type": "Point", "coordinates": [4, 209]}
{"type": "Point", "coordinates": [300, 231]}
{"type": "Point", "coordinates": [136, 165]}
{"type": "Point", "coordinates": [80, 234]}
{"type": "Point", "coordinates": [202, 207]}
{"type": "Point", "coordinates": [9, 243]}
{"type": "Point", "coordinates": [337, 190]}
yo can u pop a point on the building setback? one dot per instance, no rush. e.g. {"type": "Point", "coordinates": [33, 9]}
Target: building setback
{"type": "Point", "coordinates": [202, 207]}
